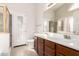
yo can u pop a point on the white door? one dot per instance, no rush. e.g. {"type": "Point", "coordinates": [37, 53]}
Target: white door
{"type": "Point", "coordinates": [17, 30]}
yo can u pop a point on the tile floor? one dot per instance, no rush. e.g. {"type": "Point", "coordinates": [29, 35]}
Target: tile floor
{"type": "Point", "coordinates": [23, 51]}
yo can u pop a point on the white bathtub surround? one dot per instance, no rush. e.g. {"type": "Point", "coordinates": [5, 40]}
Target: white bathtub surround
{"type": "Point", "coordinates": [4, 44]}
{"type": "Point", "coordinates": [58, 38]}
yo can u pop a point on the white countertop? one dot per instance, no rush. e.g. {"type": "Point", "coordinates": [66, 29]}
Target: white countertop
{"type": "Point", "coordinates": [71, 43]}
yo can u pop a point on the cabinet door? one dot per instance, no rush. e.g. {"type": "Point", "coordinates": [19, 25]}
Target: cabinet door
{"type": "Point", "coordinates": [40, 49]}
{"type": "Point", "coordinates": [49, 51]}
{"type": "Point", "coordinates": [66, 51]}
{"type": "Point", "coordinates": [49, 48]}
{"type": "Point", "coordinates": [50, 44]}
{"type": "Point", "coordinates": [40, 46]}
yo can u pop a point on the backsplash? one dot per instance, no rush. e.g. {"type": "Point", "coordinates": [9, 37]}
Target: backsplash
{"type": "Point", "coordinates": [58, 35]}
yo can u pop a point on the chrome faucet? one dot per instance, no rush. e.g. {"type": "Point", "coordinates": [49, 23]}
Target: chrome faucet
{"type": "Point", "coordinates": [67, 36]}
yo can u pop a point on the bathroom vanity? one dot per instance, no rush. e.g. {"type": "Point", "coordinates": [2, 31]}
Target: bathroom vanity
{"type": "Point", "coordinates": [65, 24]}
{"type": "Point", "coordinates": [52, 47]}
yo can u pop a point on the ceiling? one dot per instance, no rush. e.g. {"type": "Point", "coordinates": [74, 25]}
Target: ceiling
{"type": "Point", "coordinates": [20, 7]}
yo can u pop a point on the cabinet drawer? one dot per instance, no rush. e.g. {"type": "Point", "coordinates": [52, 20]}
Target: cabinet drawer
{"type": "Point", "coordinates": [49, 51]}
{"type": "Point", "coordinates": [66, 51]}
{"type": "Point", "coordinates": [50, 44]}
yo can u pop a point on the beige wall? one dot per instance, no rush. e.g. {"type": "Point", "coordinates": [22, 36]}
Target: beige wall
{"type": "Point", "coordinates": [27, 10]}
{"type": "Point", "coordinates": [43, 17]}
{"type": "Point", "coordinates": [63, 11]}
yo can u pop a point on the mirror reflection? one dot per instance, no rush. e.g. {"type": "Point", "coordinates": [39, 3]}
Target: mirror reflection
{"type": "Point", "coordinates": [66, 19]}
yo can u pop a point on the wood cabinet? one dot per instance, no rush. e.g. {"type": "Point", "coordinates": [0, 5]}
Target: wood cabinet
{"type": "Point", "coordinates": [65, 51]}
{"type": "Point", "coordinates": [49, 48]}
{"type": "Point", "coordinates": [46, 47]}
{"type": "Point", "coordinates": [58, 54]}
{"type": "Point", "coordinates": [40, 42]}
{"type": "Point", "coordinates": [39, 46]}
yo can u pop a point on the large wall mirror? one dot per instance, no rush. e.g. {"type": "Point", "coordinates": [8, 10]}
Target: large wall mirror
{"type": "Point", "coordinates": [66, 19]}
